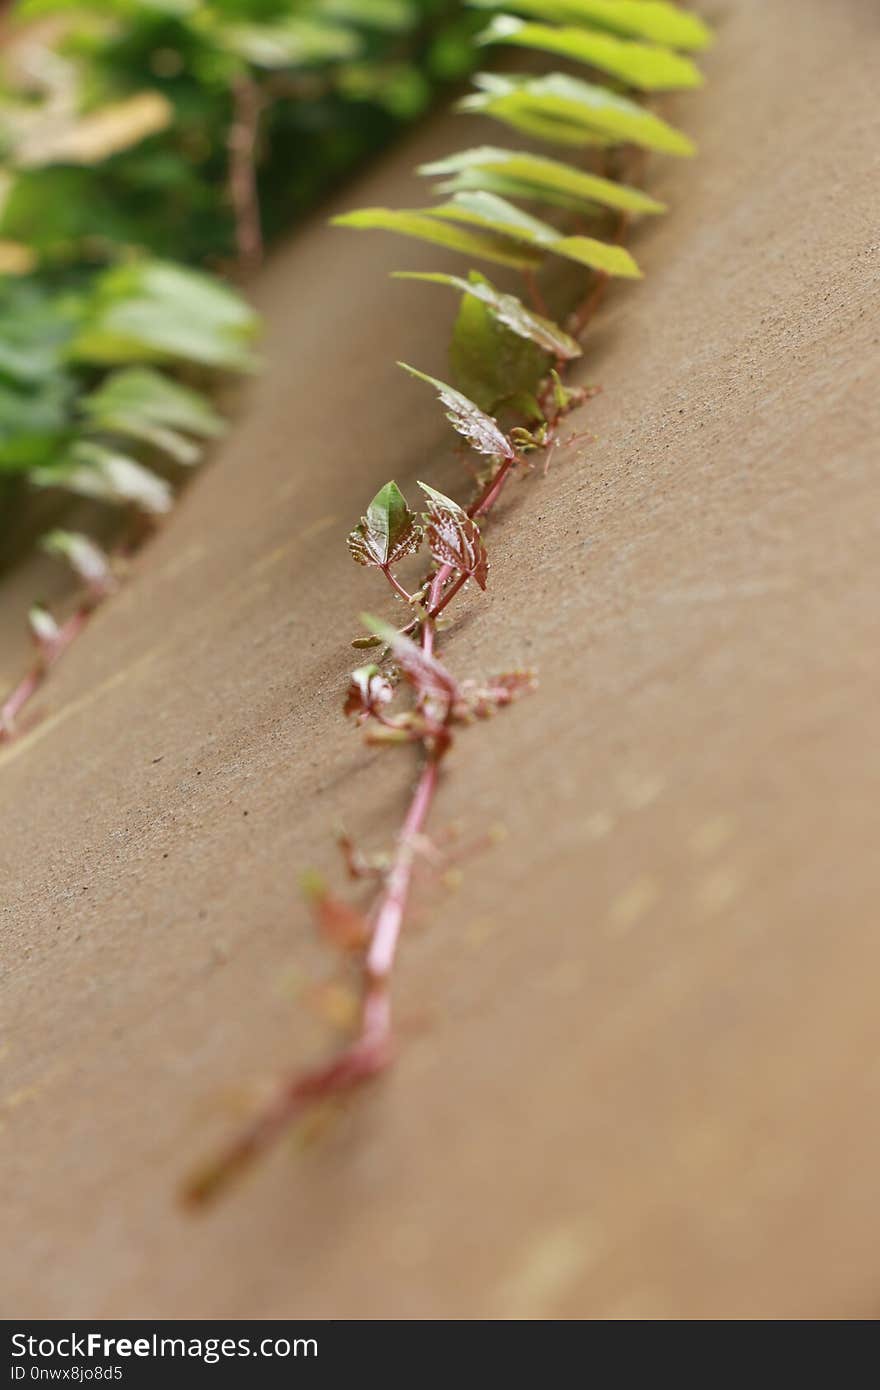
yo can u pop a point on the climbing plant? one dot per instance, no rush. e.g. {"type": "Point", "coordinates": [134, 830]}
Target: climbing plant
{"type": "Point", "coordinates": [507, 400]}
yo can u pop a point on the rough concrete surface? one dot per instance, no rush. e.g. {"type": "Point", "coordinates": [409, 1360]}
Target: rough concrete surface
{"type": "Point", "coordinates": [639, 1073]}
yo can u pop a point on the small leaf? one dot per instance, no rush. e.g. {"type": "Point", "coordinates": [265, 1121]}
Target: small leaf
{"type": "Point", "coordinates": [534, 176]}
{"type": "Point", "coordinates": [341, 924]}
{"type": "Point", "coordinates": [479, 429]}
{"type": "Point", "coordinates": [637, 64]}
{"type": "Point", "coordinates": [454, 538]}
{"type": "Point", "coordinates": [646, 19]}
{"type": "Point", "coordinates": [424, 672]}
{"type": "Point", "coordinates": [368, 690]}
{"type": "Point", "coordinates": [87, 560]}
{"type": "Point", "coordinates": [481, 701]}
{"type": "Point", "coordinates": [508, 310]}
{"type": "Point", "coordinates": [388, 532]}
{"type": "Point", "coordinates": [424, 227]}
{"type": "Point", "coordinates": [44, 629]}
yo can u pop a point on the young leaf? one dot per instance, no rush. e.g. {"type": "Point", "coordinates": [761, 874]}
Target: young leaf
{"type": "Point", "coordinates": [480, 701]}
{"type": "Point", "coordinates": [645, 19]}
{"type": "Point", "coordinates": [507, 309]}
{"type": "Point", "coordinates": [537, 177]}
{"type": "Point", "coordinates": [573, 111]}
{"type": "Point", "coordinates": [388, 532]}
{"type": "Point", "coordinates": [454, 538]}
{"type": "Point", "coordinates": [490, 211]}
{"type": "Point", "coordinates": [424, 672]}
{"type": "Point", "coordinates": [637, 64]}
{"type": "Point", "coordinates": [341, 924]}
{"type": "Point", "coordinates": [367, 691]}
{"type": "Point", "coordinates": [423, 226]}
{"type": "Point", "coordinates": [479, 429]}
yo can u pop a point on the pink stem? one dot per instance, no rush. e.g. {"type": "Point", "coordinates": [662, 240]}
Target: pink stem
{"type": "Point", "coordinates": [397, 587]}
{"type": "Point", "coordinates": [31, 683]}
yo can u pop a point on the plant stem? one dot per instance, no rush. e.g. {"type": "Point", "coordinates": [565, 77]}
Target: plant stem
{"type": "Point", "coordinates": [396, 586]}
{"type": "Point", "coordinates": [241, 143]}
{"type": "Point", "coordinates": [372, 1048]}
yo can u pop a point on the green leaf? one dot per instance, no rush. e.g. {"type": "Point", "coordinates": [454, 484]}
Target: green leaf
{"type": "Point", "coordinates": [535, 176]}
{"type": "Point", "coordinates": [497, 214]}
{"type": "Point", "coordinates": [572, 111]}
{"type": "Point", "coordinates": [424, 227]}
{"type": "Point", "coordinates": [507, 310]}
{"type": "Point", "coordinates": [491, 364]}
{"type": "Point", "coordinates": [388, 532]}
{"type": "Point", "coordinates": [644, 19]}
{"type": "Point", "coordinates": [473, 424]}
{"type": "Point", "coordinates": [641, 65]}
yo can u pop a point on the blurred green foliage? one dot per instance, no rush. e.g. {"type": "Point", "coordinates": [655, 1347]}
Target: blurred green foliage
{"type": "Point", "coordinates": [118, 128]}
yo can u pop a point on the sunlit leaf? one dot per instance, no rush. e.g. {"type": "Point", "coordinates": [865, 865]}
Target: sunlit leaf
{"type": "Point", "coordinates": [572, 111]}
{"type": "Point", "coordinates": [454, 539]}
{"type": "Point", "coordinates": [507, 309]}
{"type": "Point", "coordinates": [388, 532]}
{"type": "Point", "coordinates": [478, 428]}
{"type": "Point", "coordinates": [497, 214]}
{"type": "Point", "coordinates": [424, 227]}
{"type": "Point", "coordinates": [645, 19]}
{"type": "Point", "coordinates": [534, 176]}
{"type": "Point", "coordinates": [637, 64]}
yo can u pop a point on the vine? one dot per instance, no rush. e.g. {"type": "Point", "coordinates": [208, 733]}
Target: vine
{"type": "Point", "coordinates": [508, 401]}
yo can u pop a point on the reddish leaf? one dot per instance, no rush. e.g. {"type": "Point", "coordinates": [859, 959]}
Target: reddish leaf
{"type": "Point", "coordinates": [340, 923]}
{"type": "Point", "coordinates": [368, 690]}
{"type": "Point", "coordinates": [454, 538]}
{"type": "Point", "coordinates": [479, 429]}
{"type": "Point", "coordinates": [480, 701]}
{"type": "Point", "coordinates": [424, 672]}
